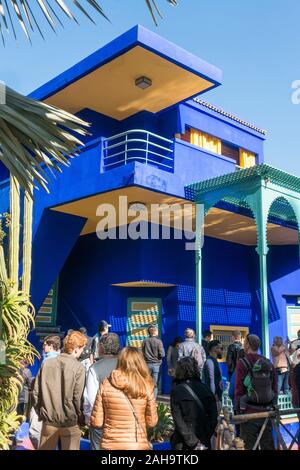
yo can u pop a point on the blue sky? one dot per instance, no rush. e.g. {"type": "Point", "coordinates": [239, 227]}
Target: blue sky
{"type": "Point", "coordinates": [256, 44]}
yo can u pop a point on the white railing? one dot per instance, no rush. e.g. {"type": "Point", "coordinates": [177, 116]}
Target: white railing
{"type": "Point", "coordinates": [138, 145]}
{"type": "Point", "coordinates": [284, 402]}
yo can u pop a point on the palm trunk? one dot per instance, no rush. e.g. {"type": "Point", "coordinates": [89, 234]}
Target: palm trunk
{"type": "Point", "coordinates": [14, 232]}
{"type": "Point", "coordinates": [27, 241]}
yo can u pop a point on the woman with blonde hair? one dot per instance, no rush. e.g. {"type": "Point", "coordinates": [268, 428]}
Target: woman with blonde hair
{"type": "Point", "coordinates": [125, 405]}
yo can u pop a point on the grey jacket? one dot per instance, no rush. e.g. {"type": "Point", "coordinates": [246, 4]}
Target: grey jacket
{"type": "Point", "coordinates": [96, 374]}
{"type": "Point", "coordinates": [58, 391]}
{"type": "Point", "coordinates": [188, 346]}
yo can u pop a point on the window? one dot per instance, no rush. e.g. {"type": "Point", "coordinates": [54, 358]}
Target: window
{"type": "Point", "coordinates": [205, 141]}
{"type": "Point", "coordinates": [224, 335]}
{"type": "Point", "coordinates": [231, 151]}
{"type": "Point", "coordinates": [247, 159]}
{"type": "Point", "coordinates": [293, 321]}
{"type": "Point", "coordinates": [242, 157]}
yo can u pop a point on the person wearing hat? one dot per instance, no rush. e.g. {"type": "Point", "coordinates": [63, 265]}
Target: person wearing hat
{"type": "Point", "coordinates": [103, 329]}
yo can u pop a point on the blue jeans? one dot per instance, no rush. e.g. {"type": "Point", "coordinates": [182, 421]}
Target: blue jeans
{"type": "Point", "coordinates": [283, 382]}
{"type": "Point", "coordinates": [154, 369]}
{"type": "Point", "coordinates": [95, 438]}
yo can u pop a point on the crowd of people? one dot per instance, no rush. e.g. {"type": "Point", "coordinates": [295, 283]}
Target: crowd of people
{"type": "Point", "coordinates": [92, 381]}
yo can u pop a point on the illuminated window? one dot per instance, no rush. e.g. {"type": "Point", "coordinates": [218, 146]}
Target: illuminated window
{"type": "Point", "coordinates": [205, 141]}
{"type": "Point", "coordinates": [247, 159]}
{"type": "Point", "coordinates": [242, 157]}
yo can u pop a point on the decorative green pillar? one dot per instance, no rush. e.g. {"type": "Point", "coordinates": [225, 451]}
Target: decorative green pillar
{"type": "Point", "coordinates": [264, 300]}
{"type": "Point", "coordinates": [198, 259]}
{"type": "Point", "coordinates": [297, 213]}
{"type": "Point", "coordinates": [260, 204]}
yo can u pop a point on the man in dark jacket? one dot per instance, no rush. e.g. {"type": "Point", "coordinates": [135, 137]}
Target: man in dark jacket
{"type": "Point", "coordinates": [251, 429]}
{"type": "Point", "coordinates": [153, 351]}
{"type": "Point", "coordinates": [57, 396]}
{"type": "Point", "coordinates": [193, 407]}
{"type": "Point", "coordinates": [232, 352]}
{"type": "Point", "coordinates": [207, 338]}
{"type": "Point", "coordinates": [108, 350]}
{"type": "Point", "coordinates": [212, 375]}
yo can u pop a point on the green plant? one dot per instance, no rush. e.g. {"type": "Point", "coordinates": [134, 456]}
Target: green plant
{"type": "Point", "coordinates": [27, 17]}
{"type": "Point", "coordinates": [17, 318]}
{"type": "Point", "coordinates": [31, 133]}
{"type": "Point", "coordinates": [165, 425]}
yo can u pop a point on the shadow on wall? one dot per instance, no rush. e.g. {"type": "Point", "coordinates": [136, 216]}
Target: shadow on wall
{"type": "Point", "coordinates": [220, 307]}
{"type": "Point", "coordinates": [274, 314]}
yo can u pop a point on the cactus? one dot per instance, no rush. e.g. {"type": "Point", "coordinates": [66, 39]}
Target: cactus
{"type": "Point", "coordinates": [14, 231]}
{"type": "Point", "coordinates": [27, 241]}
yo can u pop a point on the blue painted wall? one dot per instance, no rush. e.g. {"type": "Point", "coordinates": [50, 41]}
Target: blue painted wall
{"type": "Point", "coordinates": [86, 295]}
{"type": "Point", "coordinates": [230, 285]}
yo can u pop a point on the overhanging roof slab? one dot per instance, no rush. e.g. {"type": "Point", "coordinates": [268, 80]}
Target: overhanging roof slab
{"type": "Point", "coordinates": [105, 81]}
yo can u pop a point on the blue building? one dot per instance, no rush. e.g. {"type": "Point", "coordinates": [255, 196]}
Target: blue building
{"type": "Point", "coordinates": [152, 136]}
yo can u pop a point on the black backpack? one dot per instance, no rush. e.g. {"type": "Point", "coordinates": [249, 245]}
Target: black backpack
{"type": "Point", "coordinates": [259, 380]}
{"type": "Point", "coordinates": [235, 348]}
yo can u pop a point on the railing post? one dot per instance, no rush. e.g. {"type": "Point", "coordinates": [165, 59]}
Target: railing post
{"type": "Point", "coordinates": [147, 147]}
{"type": "Point", "coordinates": [126, 148]}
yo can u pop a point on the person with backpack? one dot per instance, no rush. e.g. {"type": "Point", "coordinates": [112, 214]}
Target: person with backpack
{"type": "Point", "coordinates": [232, 352]}
{"type": "Point", "coordinates": [193, 408]}
{"type": "Point", "coordinates": [255, 391]}
{"type": "Point", "coordinates": [212, 374]}
{"type": "Point", "coordinates": [190, 348]}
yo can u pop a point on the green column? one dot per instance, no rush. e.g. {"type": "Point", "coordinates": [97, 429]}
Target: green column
{"type": "Point", "coordinates": [261, 216]}
{"type": "Point", "coordinates": [264, 301]}
{"type": "Point", "coordinates": [198, 259]}
{"type": "Point", "coordinates": [297, 212]}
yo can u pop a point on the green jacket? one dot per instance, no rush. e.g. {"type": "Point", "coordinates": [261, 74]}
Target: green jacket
{"type": "Point", "coordinates": [58, 391]}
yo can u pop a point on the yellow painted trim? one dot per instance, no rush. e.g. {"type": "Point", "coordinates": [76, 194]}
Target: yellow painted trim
{"type": "Point", "coordinates": [242, 329]}
{"type": "Point", "coordinates": [111, 88]}
{"type": "Point", "coordinates": [219, 223]}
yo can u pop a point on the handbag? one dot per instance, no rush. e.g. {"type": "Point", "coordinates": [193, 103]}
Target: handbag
{"type": "Point", "coordinates": [138, 425]}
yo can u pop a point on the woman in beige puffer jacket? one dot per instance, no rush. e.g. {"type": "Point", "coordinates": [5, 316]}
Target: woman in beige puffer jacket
{"type": "Point", "coordinates": [125, 405]}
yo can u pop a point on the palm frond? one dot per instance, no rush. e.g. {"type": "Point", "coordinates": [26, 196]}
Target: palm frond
{"type": "Point", "coordinates": [26, 13]}
{"type": "Point", "coordinates": [35, 135]}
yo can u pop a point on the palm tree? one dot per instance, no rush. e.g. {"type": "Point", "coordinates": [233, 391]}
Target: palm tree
{"type": "Point", "coordinates": [26, 15]}
{"type": "Point", "coordinates": [33, 137]}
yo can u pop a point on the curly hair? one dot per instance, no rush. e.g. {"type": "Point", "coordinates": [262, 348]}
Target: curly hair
{"type": "Point", "coordinates": [109, 345]}
{"type": "Point", "coordinates": [74, 340]}
{"type": "Point", "coordinates": [187, 368]}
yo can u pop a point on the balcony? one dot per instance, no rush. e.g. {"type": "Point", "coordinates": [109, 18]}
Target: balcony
{"type": "Point", "coordinates": [138, 145]}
